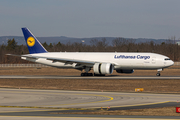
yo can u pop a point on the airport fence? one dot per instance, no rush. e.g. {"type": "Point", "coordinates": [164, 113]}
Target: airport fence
{"type": "Point", "coordinates": [176, 63]}
{"type": "Point", "coordinates": [40, 65]}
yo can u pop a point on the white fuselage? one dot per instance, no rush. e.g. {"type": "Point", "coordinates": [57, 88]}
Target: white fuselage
{"type": "Point", "coordinates": [120, 60]}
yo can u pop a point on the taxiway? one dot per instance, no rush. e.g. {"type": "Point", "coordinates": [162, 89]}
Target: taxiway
{"type": "Point", "coordinates": [30, 102]}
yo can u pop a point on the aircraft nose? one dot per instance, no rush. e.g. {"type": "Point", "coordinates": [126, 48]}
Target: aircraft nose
{"type": "Point", "coordinates": [171, 63]}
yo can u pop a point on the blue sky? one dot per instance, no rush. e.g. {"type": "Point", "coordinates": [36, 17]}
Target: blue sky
{"type": "Point", "coordinates": [91, 18]}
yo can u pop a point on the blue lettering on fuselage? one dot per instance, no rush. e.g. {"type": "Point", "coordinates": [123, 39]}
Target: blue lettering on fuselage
{"type": "Point", "coordinates": [131, 57]}
{"type": "Point", "coordinates": [143, 57]}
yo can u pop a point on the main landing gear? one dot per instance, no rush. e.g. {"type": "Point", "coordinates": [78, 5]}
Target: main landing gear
{"type": "Point", "coordinates": [86, 74]}
{"type": "Point", "coordinates": [91, 74]}
{"type": "Point", "coordinates": [158, 73]}
{"type": "Point", "coordinates": [87, 69]}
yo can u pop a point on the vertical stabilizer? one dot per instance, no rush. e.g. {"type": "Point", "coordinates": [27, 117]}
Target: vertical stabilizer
{"type": "Point", "coordinates": [34, 46]}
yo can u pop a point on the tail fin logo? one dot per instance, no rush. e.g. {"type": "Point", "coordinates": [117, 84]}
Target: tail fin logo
{"type": "Point", "coordinates": [30, 41]}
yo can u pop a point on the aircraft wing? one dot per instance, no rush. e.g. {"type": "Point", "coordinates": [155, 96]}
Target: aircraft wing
{"type": "Point", "coordinates": [70, 61]}
{"type": "Point", "coordinates": [54, 59]}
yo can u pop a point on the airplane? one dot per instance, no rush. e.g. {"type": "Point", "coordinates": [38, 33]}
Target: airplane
{"type": "Point", "coordinates": [102, 63]}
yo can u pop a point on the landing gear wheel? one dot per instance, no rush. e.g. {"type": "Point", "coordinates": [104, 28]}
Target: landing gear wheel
{"type": "Point", "coordinates": [86, 74]}
{"type": "Point", "coordinates": [90, 74]}
{"type": "Point", "coordinates": [82, 74]}
{"type": "Point", "coordinates": [158, 74]}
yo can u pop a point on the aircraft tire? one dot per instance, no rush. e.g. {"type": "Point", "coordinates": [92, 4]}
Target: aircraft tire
{"type": "Point", "coordinates": [158, 74]}
{"type": "Point", "coordinates": [86, 74]}
{"type": "Point", "coordinates": [82, 74]}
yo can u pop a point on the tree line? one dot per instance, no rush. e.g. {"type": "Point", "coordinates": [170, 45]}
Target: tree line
{"type": "Point", "coordinates": [168, 48]}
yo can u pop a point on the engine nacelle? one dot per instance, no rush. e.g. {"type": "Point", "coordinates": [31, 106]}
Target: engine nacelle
{"type": "Point", "coordinates": [103, 68]}
{"type": "Point", "coordinates": [125, 71]}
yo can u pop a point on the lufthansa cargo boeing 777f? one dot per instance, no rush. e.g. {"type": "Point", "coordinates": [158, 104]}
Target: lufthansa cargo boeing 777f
{"type": "Point", "coordinates": [101, 62]}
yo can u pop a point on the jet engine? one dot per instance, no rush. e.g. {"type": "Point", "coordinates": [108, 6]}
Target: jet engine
{"type": "Point", "coordinates": [125, 71]}
{"type": "Point", "coordinates": [103, 68]}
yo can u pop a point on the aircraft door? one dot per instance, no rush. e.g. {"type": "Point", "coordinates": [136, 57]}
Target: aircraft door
{"type": "Point", "coordinates": [153, 60]}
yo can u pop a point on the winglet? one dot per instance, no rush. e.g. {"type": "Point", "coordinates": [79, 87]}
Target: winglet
{"type": "Point", "coordinates": [34, 46]}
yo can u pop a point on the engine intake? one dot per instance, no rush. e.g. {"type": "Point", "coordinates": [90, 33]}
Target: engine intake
{"type": "Point", "coordinates": [103, 68]}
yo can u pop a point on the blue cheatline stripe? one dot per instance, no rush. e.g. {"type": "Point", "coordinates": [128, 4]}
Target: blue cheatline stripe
{"type": "Point", "coordinates": [34, 46]}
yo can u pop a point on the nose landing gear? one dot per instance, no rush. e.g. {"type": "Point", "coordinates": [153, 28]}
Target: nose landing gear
{"type": "Point", "coordinates": [158, 73]}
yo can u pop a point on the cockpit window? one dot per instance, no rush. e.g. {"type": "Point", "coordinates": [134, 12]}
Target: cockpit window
{"type": "Point", "coordinates": [167, 59]}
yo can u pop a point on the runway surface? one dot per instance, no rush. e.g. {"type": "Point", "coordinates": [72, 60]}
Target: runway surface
{"type": "Point", "coordinates": [87, 77]}
{"type": "Point", "coordinates": [42, 103]}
